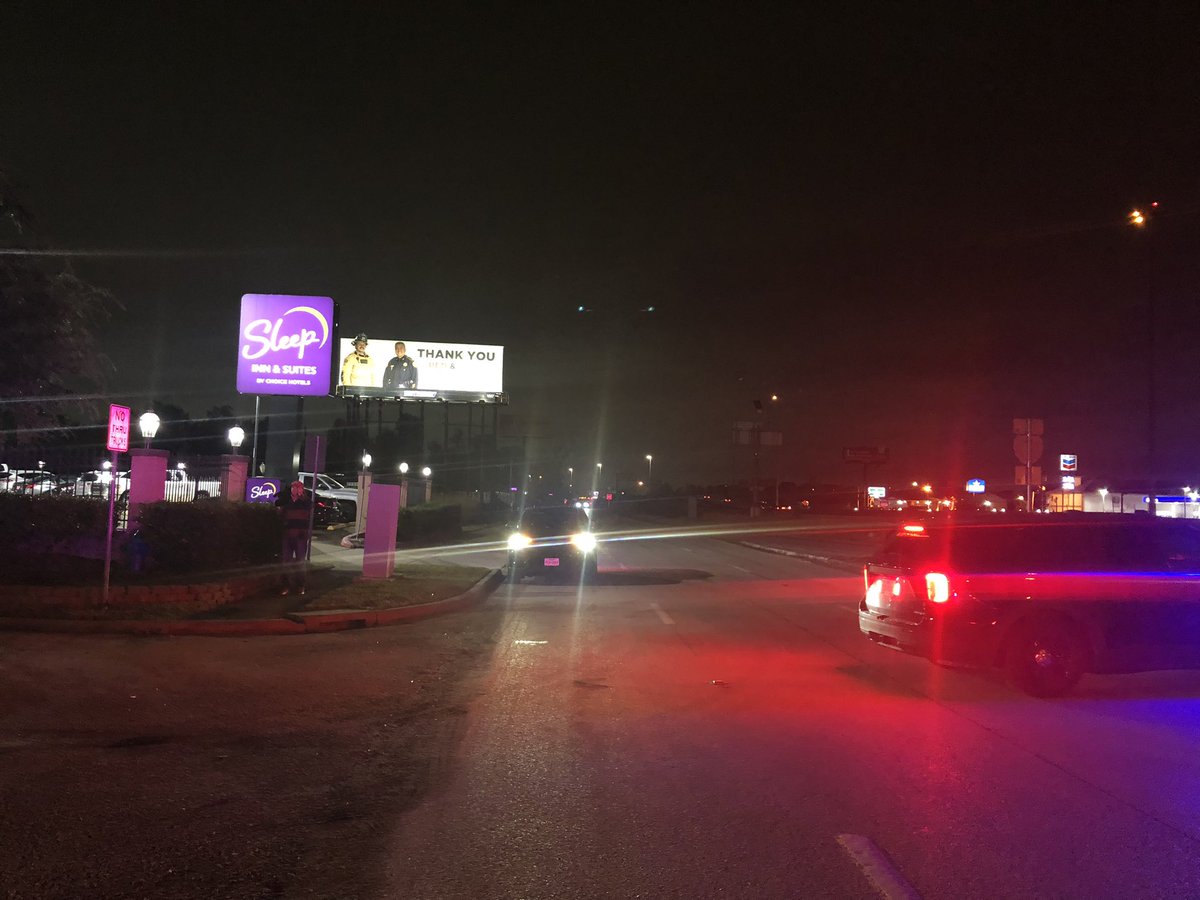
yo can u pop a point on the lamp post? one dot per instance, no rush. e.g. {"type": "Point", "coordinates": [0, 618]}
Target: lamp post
{"type": "Point", "coordinates": [427, 474]}
{"type": "Point", "coordinates": [148, 423]}
{"type": "Point", "coordinates": [570, 479]}
{"type": "Point", "coordinates": [599, 476]}
{"type": "Point", "coordinates": [1140, 220]}
{"type": "Point", "coordinates": [649, 470]}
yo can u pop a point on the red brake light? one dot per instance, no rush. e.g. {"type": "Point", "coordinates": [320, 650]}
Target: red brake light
{"type": "Point", "coordinates": [913, 529]}
{"type": "Point", "coordinates": [937, 587]}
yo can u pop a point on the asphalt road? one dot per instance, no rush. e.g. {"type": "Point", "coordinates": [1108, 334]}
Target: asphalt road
{"type": "Point", "coordinates": [705, 721]}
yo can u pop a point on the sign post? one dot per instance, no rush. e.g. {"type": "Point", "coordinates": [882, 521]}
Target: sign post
{"type": "Point", "coordinates": [1027, 445]}
{"type": "Point", "coordinates": [118, 442]}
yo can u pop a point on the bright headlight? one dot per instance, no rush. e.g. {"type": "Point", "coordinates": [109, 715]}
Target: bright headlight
{"type": "Point", "coordinates": [585, 541]}
{"type": "Point", "coordinates": [519, 541]}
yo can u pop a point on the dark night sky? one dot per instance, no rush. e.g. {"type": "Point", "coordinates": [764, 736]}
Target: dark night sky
{"type": "Point", "coordinates": [907, 219]}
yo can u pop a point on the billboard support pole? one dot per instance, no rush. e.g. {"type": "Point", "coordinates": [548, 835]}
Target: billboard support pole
{"type": "Point", "coordinates": [254, 445]}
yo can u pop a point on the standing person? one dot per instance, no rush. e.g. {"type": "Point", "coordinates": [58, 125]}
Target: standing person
{"type": "Point", "coordinates": [296, 507]}
{"type": "Point", "coordinates": [401, 371]}
{"type": "Point", "coordinates": [356, 367]}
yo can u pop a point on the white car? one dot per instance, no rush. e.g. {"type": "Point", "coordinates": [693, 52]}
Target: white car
{"type": "Point", "coordinates": [37, 482]}
{"type": "Point", "coordinates": [96, 482]}
{"type": "Point", "coordinates": [332, 489]}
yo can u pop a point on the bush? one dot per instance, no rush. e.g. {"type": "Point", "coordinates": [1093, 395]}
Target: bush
{"type": "Point", "coordinates": [429, 522]}
{"type": "Point", "coordinates": [208, 535]}
{"type": "Point", "coordinates": [48, 522]}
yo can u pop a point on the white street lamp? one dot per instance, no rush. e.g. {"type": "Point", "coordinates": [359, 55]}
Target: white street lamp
{"type": "Point", "coordinates": [649, 468]}
{"type": "Point", "coordinates": [366, 460]}
{"type": "Point", "coordinates": [149, 423]}
{"type": "Point", "coordinates": [426, 472]}
{"type": "Point", "coordinates": [237, 434]}
{"type": "Point", "coordinates": [403, 468]}
{"type": "Point", "coordinates": [571, 479]}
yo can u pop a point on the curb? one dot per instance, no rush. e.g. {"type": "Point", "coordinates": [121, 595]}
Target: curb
{"type": "Point", "coordinates": [295, 623]}
{"type": "Point", "coordinates": [833, 562]}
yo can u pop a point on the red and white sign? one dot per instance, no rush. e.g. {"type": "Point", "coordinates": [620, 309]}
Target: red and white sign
{"type": "Point", "coordinates": [118, 428]}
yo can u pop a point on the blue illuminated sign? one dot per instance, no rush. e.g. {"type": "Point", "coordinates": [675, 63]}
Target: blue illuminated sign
{"type": "Point", "coordinates": [976, 486]}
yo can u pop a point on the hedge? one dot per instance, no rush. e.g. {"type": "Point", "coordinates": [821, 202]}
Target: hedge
{"type": "Point", "coordinates": [48, 522]}
{"type": "Point", "coordinates": [432, 522]}
{"type": "Point", "coordinates": [210, 535]}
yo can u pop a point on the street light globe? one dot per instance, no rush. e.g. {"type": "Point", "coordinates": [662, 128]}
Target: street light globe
{"type": "Point", "coordinates": [366, 460]}
{"type": "Point", "coordinates": [237, 434]}
{"type": "Point", "coordinates": [403, 468]}
{"type": "Point", "coordinates": [149, 423]}
{"type": "Point", "coordinates": [426, 472]}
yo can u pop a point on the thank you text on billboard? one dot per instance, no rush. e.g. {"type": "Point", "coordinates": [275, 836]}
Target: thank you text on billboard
{"type": "Point", "coordinates": [285, 345]}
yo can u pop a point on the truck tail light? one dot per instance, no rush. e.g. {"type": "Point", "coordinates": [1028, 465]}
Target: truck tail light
{"type": "Point", "coordinates": [937, 587]}
{"type": "Point", "coordinates": [875, 592]}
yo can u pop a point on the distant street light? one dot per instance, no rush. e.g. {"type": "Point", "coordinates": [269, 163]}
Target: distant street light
{"type": "Point", "coordinates": [403, 468]}
{"type": "Point", "coordinates": [366, 460]}
{"type": "Point", "coordinates": [148, 424]}
{"type": "Point", "coordinates": [649, 468]}
{"type": "Point", "coordinates": [426, 472]}
{"type": "Point", "coordinates": [1140, 219]}
{"type": "Point", "coordinates": [571, 479]}
{"type": "Point", "coordinates": [237, 434]}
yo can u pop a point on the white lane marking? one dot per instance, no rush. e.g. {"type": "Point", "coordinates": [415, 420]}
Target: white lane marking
{"type": "Point", "coordinates": [742, 569]}
{"type": "Point", "coordinates": [884, 876]}
{"type": "Point", "coordinates": [666, 620]}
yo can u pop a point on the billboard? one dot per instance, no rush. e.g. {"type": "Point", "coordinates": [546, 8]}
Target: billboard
{"type": "Point", "coordinates": [389, 367]}
{"type": "Point", "coordinates": [285, 345]}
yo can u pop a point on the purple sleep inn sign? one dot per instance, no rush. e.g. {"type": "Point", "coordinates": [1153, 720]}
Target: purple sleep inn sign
{"type": "Point", "coordinates": [285, 345]}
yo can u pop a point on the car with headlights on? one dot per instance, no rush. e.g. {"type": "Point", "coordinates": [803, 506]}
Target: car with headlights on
{"type": "Point", "coordinates": [555, 541]}
{"type": "Point", "coordinates": [1045, 598]}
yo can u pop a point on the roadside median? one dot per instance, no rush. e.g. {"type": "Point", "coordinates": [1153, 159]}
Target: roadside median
{"type": "Point", "coordinates": [349, 604]}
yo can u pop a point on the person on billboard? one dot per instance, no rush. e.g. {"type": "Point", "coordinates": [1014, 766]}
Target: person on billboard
{"type": "Point", "coordinates": [401, 371]}
{"type": "Point", "coordinates": [296, 510]}
{"type": "Point", "coordinates": [356, 367]}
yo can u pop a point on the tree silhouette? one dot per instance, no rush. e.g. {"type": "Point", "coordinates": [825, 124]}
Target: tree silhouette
{"type": "Point", "coordinates": [50, 367]}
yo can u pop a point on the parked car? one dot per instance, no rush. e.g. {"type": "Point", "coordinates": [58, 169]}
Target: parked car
{"type": "Point", "coordinates": [37, 482]}
{"type": "Point", "coordinates": [331, 488]}
{"type": "Point", "coordinates": [96, 482]}
{"type": "Point", "coordinates": [1046, 598]}
{"type": "Point", "coordinates": [326, 513]}
{"type": "Point", "coordinates": [552, 541]}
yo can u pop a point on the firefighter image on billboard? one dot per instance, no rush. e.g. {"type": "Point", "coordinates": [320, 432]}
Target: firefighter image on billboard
{"type": "Point", "coordinates": [356, 367]}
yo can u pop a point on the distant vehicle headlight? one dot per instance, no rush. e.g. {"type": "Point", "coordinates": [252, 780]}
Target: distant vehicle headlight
{"type": "Point", "coordinates": [519, 541]}
{"type": "Point", "coordinates": [585, 541]}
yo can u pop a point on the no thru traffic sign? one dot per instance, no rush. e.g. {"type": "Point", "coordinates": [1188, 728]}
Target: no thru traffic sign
{"type": "Point", "coordinates": [118, 428]}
